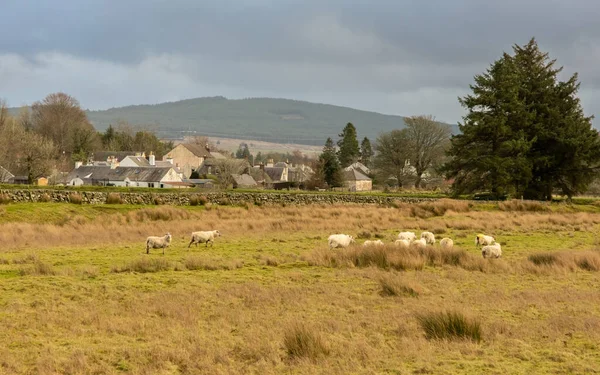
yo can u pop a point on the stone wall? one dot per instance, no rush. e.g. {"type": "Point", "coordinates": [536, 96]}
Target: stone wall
{"type": "Point", "coordinates": [183, 198]}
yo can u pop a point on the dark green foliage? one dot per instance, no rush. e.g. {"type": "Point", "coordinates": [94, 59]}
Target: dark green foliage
{"type": "Point", "coordinates": [449, 326]}
{"type": "Point", "coordinates": [330, 166]}
{"type": "Point", "coordinates": [243, 152]}
{"type": "Point", "coordinates": [366, 152]}
{"type": "Point", "coordinates": [123, 138]}
{"type": "Point", "coordinates": [348, 152]}
{"type": "Point", "coordinates": [525, 133]}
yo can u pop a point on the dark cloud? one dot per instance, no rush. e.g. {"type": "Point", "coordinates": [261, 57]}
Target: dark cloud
{"type": "Point", "coordinates": [400, 57]}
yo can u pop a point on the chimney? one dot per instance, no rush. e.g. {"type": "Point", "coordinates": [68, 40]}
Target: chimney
{"type": "Point", "coordinates": [138, 154]}
{"type": "Point", "coordinates": [262, 166]}
{"type": "Point", "coordinates": [169, 159]}
{"type": "Point", "coordinates": [78, 164]}
{"type": "Point", "coordinates": [152, 159]}
{"type": "Point", "coordinates": [270, 163]}
{"type": "Point", "coordinates": [113, 163]}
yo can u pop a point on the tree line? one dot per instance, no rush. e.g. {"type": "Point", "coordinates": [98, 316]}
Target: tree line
{"type": "Point", "coordinates": [54, 133]}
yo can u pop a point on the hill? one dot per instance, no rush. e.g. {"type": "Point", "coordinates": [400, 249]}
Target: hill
{"type": "Point", "coordinates": [274, 120]}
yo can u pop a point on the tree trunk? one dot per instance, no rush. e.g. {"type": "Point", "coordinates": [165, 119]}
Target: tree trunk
{"type": "Point", "coordinates": [418, 181]}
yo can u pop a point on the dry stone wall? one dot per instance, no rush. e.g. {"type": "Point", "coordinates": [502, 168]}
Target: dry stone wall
{"type": "Point", "coordinates": [183, 198]}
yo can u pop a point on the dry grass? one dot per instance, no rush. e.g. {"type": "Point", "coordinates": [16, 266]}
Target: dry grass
{"type": "Point", "coordinates": [45, 198]}
{"type": "Point", "coordinates": [114, 198]}
{"type": "Point", "coordinates": [392, 285]}
{"type": "Point", "coordinates": [209, 264]}
{"type": "Point", "coordinates": [75, 198]}
{"type": "Point", "coordinates": [520, 205]}
{"type": "Point", "coordinates": [303, 342]}
{"type": "Point", "coordinates": [5, 199]}
{"type": "Point", "coordinates": [449, 326]}
{"type": "Point", "coordinates": [145, 264]}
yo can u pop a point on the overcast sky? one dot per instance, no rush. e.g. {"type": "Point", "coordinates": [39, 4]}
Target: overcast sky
{"type": "Point", "coordinates": [395, 57]}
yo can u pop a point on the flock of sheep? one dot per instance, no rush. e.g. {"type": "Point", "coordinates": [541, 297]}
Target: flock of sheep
{"type": "Point", "coordinates": [489, 247]}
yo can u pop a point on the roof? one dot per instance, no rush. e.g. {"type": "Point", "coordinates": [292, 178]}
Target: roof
{"type": "Point", "coordinates": [243, 180]}
{"type": "Point", "coordinates": [94, 172]}
{"type": "Point", "coordinates": [354, 175]}
{"type": "Point", "coordinates": [5, 175]}
{"type": "Point", "coordinates": [199, 181]}
{"type": "Point", "coordinates": [274, 173]}
{"type": "Point", "coordinates": [360, 167]}
{"type": "Point", "coordinates": [197, 150]}
{"type": "Point", "coordinates": [141, 161]}
{"type": "Point", "coordinates": [120, 155]}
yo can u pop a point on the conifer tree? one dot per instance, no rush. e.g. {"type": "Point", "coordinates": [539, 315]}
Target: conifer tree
{"type": "Point", "coordinates": [349, 152]}
{"type": "Point", "coordinates": [366, 152]}
{"type": "Point", "coordinates": [332, 171]}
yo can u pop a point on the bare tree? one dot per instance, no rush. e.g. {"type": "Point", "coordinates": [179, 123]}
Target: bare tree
{"type": "Point", "coordinates": [393, 153]}
{"type": "Point", "coordinates": [225, 168]}
{"type": "Point", "coordinates": [428, 141]}
{"type": "Point", "coordinates": [3, 113]}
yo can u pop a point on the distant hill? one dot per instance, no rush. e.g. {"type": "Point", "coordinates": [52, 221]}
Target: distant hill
{"type": "Point", "coordinates": [273, 120]}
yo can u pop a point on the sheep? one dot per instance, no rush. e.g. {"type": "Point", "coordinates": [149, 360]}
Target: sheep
{"type": "Point", "coordinates": [419, 244]}
{"type": "Point", "coordinates": [491, 251]}
{"type": "Point", "coordinates": [446, 243]}
{"type": "Point", "coordinates": [409, 236]}
{"type": "Point", "coordinates": [429, 237]}
{"type": "Point", "coordinates": [403, 244]}
{"type": "Point", "coordinates": [373, 243]}
{"type": "Point", "coordinates": [153, 242]}
{"type": "Point", "coordinates": [483, 240]}
{"type": "Point", "coordinates": [204, 237]}
{"type": "Point", "coordinates": [340, 240]}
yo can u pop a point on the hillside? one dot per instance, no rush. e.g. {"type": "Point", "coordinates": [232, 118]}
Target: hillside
{"type": "Point", "coordinates": [274, 120]}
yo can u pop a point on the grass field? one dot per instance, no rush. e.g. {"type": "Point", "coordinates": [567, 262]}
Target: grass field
{"type": "Point", "coordinates": [80, 296]}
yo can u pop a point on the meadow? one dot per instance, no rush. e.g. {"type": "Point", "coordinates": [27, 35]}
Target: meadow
{"type": "Point", "coordinates": [80, 296]}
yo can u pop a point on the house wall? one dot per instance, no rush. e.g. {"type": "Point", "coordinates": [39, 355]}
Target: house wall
{"type": "Point", "coordinates": [127, 162]}
{"type": "Point", "coordinates": [365, 185]}
{"type": "Point", "coordinates": [185, 158]}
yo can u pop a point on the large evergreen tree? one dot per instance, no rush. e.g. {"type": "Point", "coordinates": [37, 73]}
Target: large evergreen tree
{"type": "Point", "coordinates": [332, 172]}
{"type": "Point", "coordinates": [349, 151]}
{"type": "Point", "coordinates": [366, 152]}
{"type": "Point", "coordinates": [525, 133]}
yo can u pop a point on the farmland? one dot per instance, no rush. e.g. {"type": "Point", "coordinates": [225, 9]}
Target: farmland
{"type": "Point", "coordinates": [80, 296]}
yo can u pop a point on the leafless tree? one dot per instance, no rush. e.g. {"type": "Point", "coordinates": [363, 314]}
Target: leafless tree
{"type": "Point", "coordinates": [392, 155]}
{"type": "Point", "coordinates": [3, 113]}
{"type": "Point", "coordinates": [225, 168]}
{"type": "Point", "coordinates": [428, 140]}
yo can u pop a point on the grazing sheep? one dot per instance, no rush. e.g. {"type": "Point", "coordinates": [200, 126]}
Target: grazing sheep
{"type": "Point", "coordinates": [429, 237]}
{"type": "Point", "coordinates": [491, 251]}
{"type": "Point", "coordinates": [419, 244]}
{"type": "Point", "coordinates": [446, 243]}
{"type": "Point", "coordinates": [409, 236]}
{"type": "Point", "coordinates": [483, 240]}
{"type": "Point", "coordinates": [373, 243]}
{"type": "Point", "coordinates": [153, 242]}
{"type": "Point", "coordinates": [204, 237]}
{"type": "Point", "coordinates": [404, 244]}
{"type": "Point", "coordinates": [340, 240]}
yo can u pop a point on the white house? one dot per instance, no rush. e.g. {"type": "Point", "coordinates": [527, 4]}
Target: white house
{"type": "Point", "coordinates": [153, 177]}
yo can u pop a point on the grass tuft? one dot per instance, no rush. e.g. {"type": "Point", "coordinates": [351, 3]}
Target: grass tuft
{"type": "Point", "coordinates": [302, 342]}
{"type": "Point", "coordinates": [526, 206]}
{"type": "Point", "coordinates": [393, 287]}
{"type": "Point", "coordinates": [39, 268]}
{"type": "Point", "coordinates": [75, 198]}
{"type": "Point", "coordinates": [144, 265]}
{"type": "Point", "coordinates": [449, 326]}
{"type": "Point", "coordinates": [5, 199]}
{"type": "Point", "coordinates": [45, 198]}
{"type": "Point", "coordinates": [543, 259]}
{"type": "Point", "coordinates": [114, 198]}
{"type": "Point", "coordinates": [194, 263]}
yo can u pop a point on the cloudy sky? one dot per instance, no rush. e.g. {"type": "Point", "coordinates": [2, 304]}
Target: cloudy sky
{"type": "Point", "coordinates": [391, 56]}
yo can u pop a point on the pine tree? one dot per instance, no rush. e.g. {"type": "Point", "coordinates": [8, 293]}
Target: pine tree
{"type": "Point", "coordinates": [525, 133]}
{"type": "Point", "coordinates": [349, 151]}
{"type": "Point", "coordinates": [366, 152]}
{"type": "Point", "coordinates": [332, 171]}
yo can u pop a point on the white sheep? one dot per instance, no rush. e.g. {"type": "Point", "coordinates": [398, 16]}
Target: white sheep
{"type": "Point", "coordinates": [204, 237]}
{"type": "Point", "coordinates": [429, 237]}
{"type": "Point", "coordinates": [373, 243]}
{"type": "Point", "coordinates": [409, 236]}
{"type": "Point", "coordinates": [483, 240]}
{"type": "Point", "coordinates": [419, 244]}
{"type": "Point", "coordinates": [446, 243]}
{"type": "Point", "coordinates": [340, 240]}
{"type": "Point", "coordinates": [491, 251]}
{"type": "Point", "coordinates": [153, 242]}
{"type": "Point", "coordinates": [403, 244]}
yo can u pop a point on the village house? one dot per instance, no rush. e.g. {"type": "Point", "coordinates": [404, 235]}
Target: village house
{"type": "Point", "coordinates": [5, 176]}
{"type": "Point", "coordinates": [243, 181]}
{"type": "Point", "coordinates": [355, 180]}
{"type": "Point", "coordinates": [190, 157]}
{"type": "Point", "coordinates": [153, 177]}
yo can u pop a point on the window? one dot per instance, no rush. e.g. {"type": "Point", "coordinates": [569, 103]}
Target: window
{"type": "Point", "coordinates": [151, 184]}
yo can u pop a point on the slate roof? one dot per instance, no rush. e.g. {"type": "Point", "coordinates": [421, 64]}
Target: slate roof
{"type": "Point", "coordinates": [243, 180]}
{"type": "Point", "coordinates": [274, 173]}
{"type": "Point", "coordinates": [143, 162]}
{"type": "Point", "coordinates": [153, 174]}
{"type": "Point", "coordinates": [354, 175]}
{"type": "Point", "coordinates": [120, 155]}
{"type": "Point", "coordinates": [5, 175]}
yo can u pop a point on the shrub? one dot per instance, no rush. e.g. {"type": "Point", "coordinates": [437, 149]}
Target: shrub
{"type": "Point", "coordinates": [543, 259]}
{"type": "Point", "coordinates": [75, 198]}
{"type": "Point", "coordinates": [300, 342]}
{"type": "Point", "coordinates": [449, 326]}
{"type": "Point", "coordinates": [144, 265]}
{"type": "Point", "coordinates": [46, 198]}
{"type": "Point", "coordinates": [194, 200]}
{"type": "Point", "coordinates": [114, 198]}
{"type": "Point", "coordinates": [5, 199]}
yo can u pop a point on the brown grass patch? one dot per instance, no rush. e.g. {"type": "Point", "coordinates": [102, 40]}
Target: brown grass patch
{"type": "Point", "coordinates": [145, 265]}
{"type": "Point", "coordinates": [565, 261]}
{"type": "Point", "coordinates": [209, 264]}
{"type": "Point", "coordinates": [114, 198]}
{"type": "Point", "coordinates": [75, 198]}
{"type": "Point", "coordinates": [45, 198]}
{"type": "Point", "coordinates": [302, 342]}
{"type": "Point", "coordinates": [520, 205]}
{"type": "Point", "coordinates": [449, 326]}
{"type": "Point", "coordinates": [5, 199]}
{"type": "Point", "coordinates": [392, 285]}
